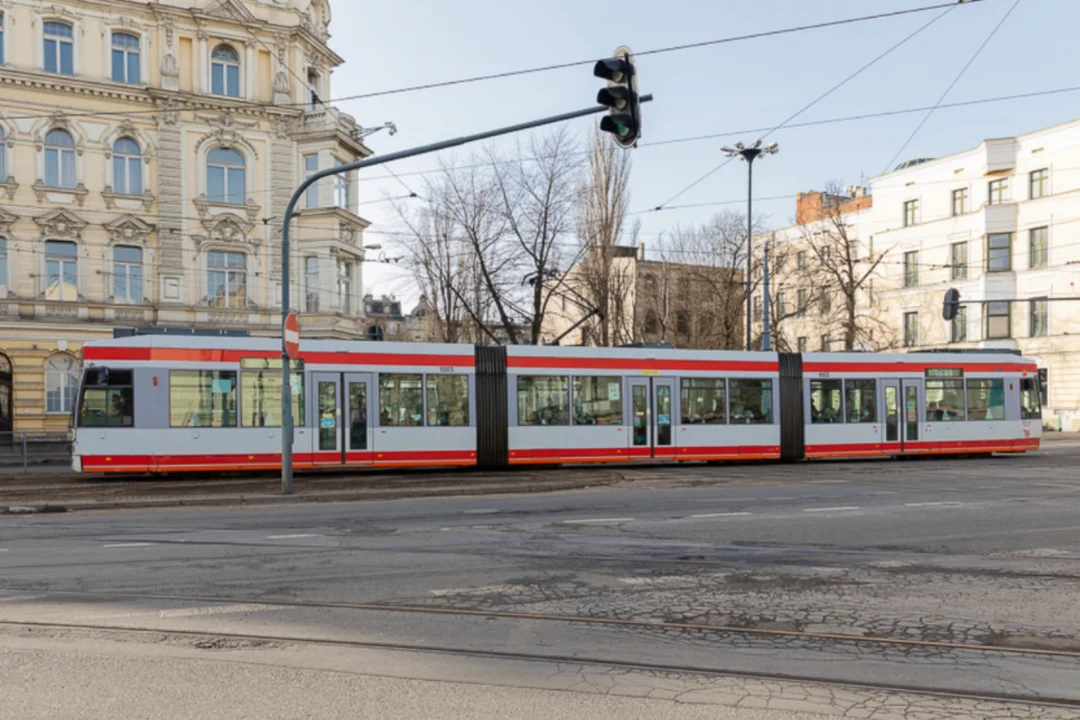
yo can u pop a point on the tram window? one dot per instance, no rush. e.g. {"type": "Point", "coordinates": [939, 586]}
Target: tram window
{"type": "Point", "coordinates": [1030, 405]}
{"type": "Point", "coordinates": [543, 400]}
{"type": "Point", "coordinates": [751, 402]}
{"type": "Point", "coordinates": [447, 400]}
{"type": "Point", "coordinates": [944, 400]}
{"type": "Point", "coordinates": [108, 399]}
{"type": "Point", "coordinates": [826, 401]}
{"type": "Point", "coordinates": [986, 399]}
{"type": "Point", "coordinates": [704, 401]}
{"type": "Point", "coordinates": [861, 397]}
{"type": "Point", "coordinates": [401, 400]}
{"type": "Point", "coordinates": [597, 401]}
{"type": "Point", "coordinates": [202, 398]}
{"type": "Point", "coordinates": [260, 399]}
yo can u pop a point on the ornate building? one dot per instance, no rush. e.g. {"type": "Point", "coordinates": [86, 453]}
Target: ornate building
{"type": "Point", "coordinates": [147, 150]}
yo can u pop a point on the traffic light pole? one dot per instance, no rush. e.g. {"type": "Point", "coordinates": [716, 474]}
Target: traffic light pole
{"type": "Point", "coordinates": [290, 211]}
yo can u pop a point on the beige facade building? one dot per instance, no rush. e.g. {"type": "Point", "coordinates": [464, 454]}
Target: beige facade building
{"type": "Point", "coordinates": [147, 150]}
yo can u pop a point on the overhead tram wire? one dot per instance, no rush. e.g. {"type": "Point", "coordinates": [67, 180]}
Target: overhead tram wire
{"type": "Point", "coordinates": [945, 94]}
{"type": "Point", "coordinates": [555, 66]}
{"type": "Point", "coordinates": [949, 8]}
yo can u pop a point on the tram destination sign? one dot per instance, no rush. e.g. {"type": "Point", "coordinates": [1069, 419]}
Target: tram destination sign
{"type": "Point", "coordinates": [944, 372]}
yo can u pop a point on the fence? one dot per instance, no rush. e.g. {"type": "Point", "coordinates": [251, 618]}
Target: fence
{"type": "Point", "coordinates": [26, 451]}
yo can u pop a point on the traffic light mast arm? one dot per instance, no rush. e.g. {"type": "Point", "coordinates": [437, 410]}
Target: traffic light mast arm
{"type": "Point", "coordinates": [290, 212]}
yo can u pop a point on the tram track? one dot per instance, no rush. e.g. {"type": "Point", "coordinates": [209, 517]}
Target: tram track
{"type": "Point", "coordinates": [559, 618]}
{"type": "Point", "coordinates": [213, 639]}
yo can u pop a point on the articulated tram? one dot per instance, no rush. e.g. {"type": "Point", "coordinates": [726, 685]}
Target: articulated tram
{"type": "Point", "coordinates": [163, 404]}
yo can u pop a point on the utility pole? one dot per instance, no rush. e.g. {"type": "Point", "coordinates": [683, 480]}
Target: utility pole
{"type": "Point", "coordinates": [766, 333]}
{"type": "Point", "coordinates": [290, 212]}
{"type": "Point", "coordinates": [749, 155]}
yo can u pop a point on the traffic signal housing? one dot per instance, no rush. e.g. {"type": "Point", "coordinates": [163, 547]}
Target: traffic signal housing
{"type": "Point", "coordinates": [951, 305]}
{"type": "Point", "coordinates": [621, 95]}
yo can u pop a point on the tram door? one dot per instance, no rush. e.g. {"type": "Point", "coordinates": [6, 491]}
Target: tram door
{"type": "Point", "coordinates": [341, 410]}
{"type": "Point", "coordinates": [652, 407]}
{"type": "Point", "coordinates": [892, 411]}
{"type": "Point", "coordinates": [912, 402]}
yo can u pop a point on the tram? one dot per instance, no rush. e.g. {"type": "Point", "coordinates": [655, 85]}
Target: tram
{"type": "Point", "coordinates": [171, 404]}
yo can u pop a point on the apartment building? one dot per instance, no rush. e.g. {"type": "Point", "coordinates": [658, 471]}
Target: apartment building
{"type": "Point", "coordinates": [146, 153]}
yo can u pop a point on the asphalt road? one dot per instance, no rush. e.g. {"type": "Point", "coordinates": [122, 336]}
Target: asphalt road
{"type": "Point", "coordinates": [801, 588]}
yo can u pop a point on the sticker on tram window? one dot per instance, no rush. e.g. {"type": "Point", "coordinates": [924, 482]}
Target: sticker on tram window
{"type": "Point", "coordinates": [327, 421]}
{"type": "Point", "coordinates": [613, 390]}
{"type": "Point", "coordinates": [221, 386]}
{"type": "Point", "coordinates": [944, 372]}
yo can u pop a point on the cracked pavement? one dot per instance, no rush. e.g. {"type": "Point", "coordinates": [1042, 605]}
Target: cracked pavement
{"type": "Point", "coordinates": [765, 589]}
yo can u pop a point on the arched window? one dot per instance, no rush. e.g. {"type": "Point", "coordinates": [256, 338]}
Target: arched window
{"type": "Point", "coordinates": [225, 176]}
{"type": "Point", "coordinates": [61, 380]}
{"type": "Point", "coordinates": [652, 323]}
{"type": "Point", "coordinates": [682, 322]}
{"type": "Point", "coordinates": [125, 58]}
{"type": "Point", "coordinates": [313, 90]}
{"type": "Point", "coordinates": [225, 71]}
{"type": "Point", "coordinates": [59, 41]}
{"type": "Point", "coordinates": [127, 167]}
{"type": "Point", "coordinates": [59, 160]}
{"type": "Point", "coordinates": [1, 38]}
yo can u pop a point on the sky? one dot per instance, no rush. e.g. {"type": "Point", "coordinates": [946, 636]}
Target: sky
{"type": "Point", "coordinates": [719, 89]}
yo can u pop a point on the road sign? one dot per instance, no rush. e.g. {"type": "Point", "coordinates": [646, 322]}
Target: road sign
{"type": "Point", "coordinates": [292, 336]}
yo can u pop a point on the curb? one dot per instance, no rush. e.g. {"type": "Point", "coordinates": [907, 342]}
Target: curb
{"type": "Point", "coordinates": [263, 499]}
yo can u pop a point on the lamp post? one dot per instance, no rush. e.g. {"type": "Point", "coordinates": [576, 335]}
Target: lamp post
{"type": "Point", "coordinates": [749, 155]}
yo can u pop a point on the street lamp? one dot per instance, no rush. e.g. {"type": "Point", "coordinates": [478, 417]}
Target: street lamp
{"type": "Point", "coordinates": [749, 155]}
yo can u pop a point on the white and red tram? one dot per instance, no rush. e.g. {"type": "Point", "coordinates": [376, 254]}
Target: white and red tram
{"type": "Point", "coordinates": [158, 403]}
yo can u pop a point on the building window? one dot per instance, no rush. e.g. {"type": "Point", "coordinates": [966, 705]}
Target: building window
{"type": "Point", "coordinates": [652, 324]}
{"type": "Point", "coordinates": [59, 48]}
{"type": "Point", "coordinates": [999, 191]}
{"type": "Point", "coordinates": [1040, 183]}
{"type": "Point", "coordinates": [958, 261]}
{"type": "Point", "coordinates": [825, 301]}
{"type": "Point", "coordinates": [959, 201]}
{"type": "Point", "coordinates": [802, 297]}
{"type": "Point", "coordinates": [226, 279]}
{"type": "Point", "coordinates": [344, 286]}
{"type": "Point", "coordinates": [999, 252]}
{"type": "Point", "coordinates": [1, 38]}
{"type": "Point", "coordinates": [1039, 318]}
{"type": "Point", "coordinates": [127, 275]}
{"type": "Point", "coordinates": [3, 145]}
{"type": "Point", "coordinates": [125, 58]}
{"type": "Point", "coordinates": [998, 323]}
{"type": "Point", "coordinates": [801, 260]}
{"type": "Point", "coordinates": [781, 307]}
{"type": "Point", "coordinates": [61, 382]}
{"type": "Point", "coordinates": [911, 212]}
{"type": "Point", "coordinates": [313, 90]}
{"type": "Point", "coordinates": [757, 308]}
{"type": "Point", "coordinates": [127, 167]}
{"type": "Point", "coordinates": [311, 284]}
{"type": "Point", "coordinates": [911, 268]}
{"type": "Point", "coordinates": [958, 327]}
{"type": "Point", "coordinates": [682, 322]}
{"type": "Point", "coordinates": [911, 329]}
{"type": "Point", "coordinates": [341, 188]}
{"type": "Point", "coordinates": [826, 341]}
{"type": "Point", "coordinates": [3, 267]}
{"type": "Point", "coordinates": [61, 271]}
{"type": "Point", "coordinates": [1040, 247]}
{"type": "Point", "coordinates": [225, 176]}
{"type": "Point", "coordinates": [803, 344]}
{"type": "Point", "coordinates": [311, 195]}
{"type": "Point", "coordinates": [59, 160]}
{"type": "Point", "coordinates": [225, 71]}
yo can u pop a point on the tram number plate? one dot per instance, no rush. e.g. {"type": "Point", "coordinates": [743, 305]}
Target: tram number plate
{"type": "Point", "coordinates": [445, 369]}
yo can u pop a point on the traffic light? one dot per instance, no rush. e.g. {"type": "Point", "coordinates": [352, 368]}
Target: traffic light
{"type": "Point", "coordinates": [952, 304]}
{"type": "Point", "coordinates": [621, 95]}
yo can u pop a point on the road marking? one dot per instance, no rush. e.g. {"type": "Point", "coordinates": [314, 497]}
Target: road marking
{"type": "Point", "coordinates": [832, 509]}
{"type": "Point", "coordinates": [290, 537]}
{"type": "Point", "coordinates": [3, 549]}
{"type": "Point", "coordinates": [932, 504]}
{"type": "Point", "coordinates": [127, 545]}
{"type": "Point", "coordinates": [190, 612]}
{"type": "Point", "coordinates": [482, 511]}
{"type": "Point", "coordinates": [827, 482]}
{"type": "Point", "coordinates": [596, 521]}
{"type": "Point", "coordinates": [717, 515]}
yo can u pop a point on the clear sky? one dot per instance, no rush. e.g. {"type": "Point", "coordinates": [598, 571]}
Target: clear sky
{"type": "Point", "coordinates": [718, 89]}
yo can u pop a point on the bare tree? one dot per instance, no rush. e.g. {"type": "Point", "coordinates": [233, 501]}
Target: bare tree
{"type": "Point", "coordinates": [845, 268]}
{"type": "Point", "coordinates": [494, 231]}
{"type": "Point", "coordinates": [601, 282]}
